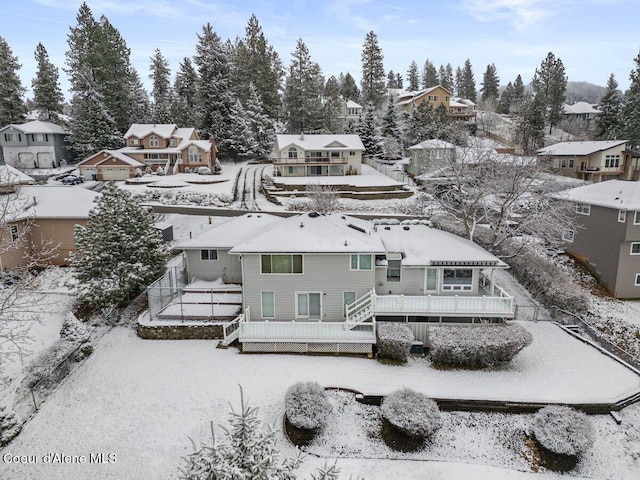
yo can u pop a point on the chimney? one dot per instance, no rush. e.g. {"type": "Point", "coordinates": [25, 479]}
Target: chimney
{"type": "Point", "coordinates": [301, 136]}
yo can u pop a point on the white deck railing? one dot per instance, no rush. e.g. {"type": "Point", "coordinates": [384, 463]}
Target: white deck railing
{"type": "Point", "coordinates": [456, 305]}
{"type": "Point", "coordinates": [307, 331]}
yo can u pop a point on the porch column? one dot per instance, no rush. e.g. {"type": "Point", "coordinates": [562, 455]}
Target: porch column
{"type": "Point", "coordinates": [492, 282]}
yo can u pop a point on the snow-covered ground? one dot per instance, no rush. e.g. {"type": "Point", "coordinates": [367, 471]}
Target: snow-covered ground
{"type": "Point", "coordinates": [142, 400]}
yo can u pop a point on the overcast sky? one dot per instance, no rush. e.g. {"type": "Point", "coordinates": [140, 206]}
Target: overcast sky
{"type": "Point", "coordinates": [592, 37]}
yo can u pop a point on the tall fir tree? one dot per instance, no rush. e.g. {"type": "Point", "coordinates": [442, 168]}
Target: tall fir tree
{"type": "Point", "coordinates": [448, 81]}
{"type": "Point", "coordinates": [630, 112]}
{"type": "Point", "coordinates": [392, 80]}
{"type": "Point", "coordinates": [12, 106]}
{"type": "Point", "coordinates": [373, 76]}
{"type": "Point", "coordinates": [506, 99]}
{"type": "Point", "coordinates": [413, 78]}
{"type": "Point", "coordinates": [141, 106]}
{"type": "Point", "coordinates": [161, 92]}
{"type": "Point", "coordinates": [260, 124]}
{"type": "Point", "coordinates": [303, 91]}
{"type": "Point", "coordinates": [490, 84]}
{"type": "Point", "coordinates": [47, 94]}
{"type": "Point", "coordinates": [458, 82]}
{"type": "Point", "coordinates": [257, 63]}
{"type": "Point", "coordinates": [185, 86]}
{"type": "Point", "coordinates": [390, 127]}
{"type": "Point", "coordinates": [369, 134]}
{"type": "Point", "coordinates": [429, 75]}
{"type": "Point", "coordinates": [332, 107]}
{"type": "Point", "coordinates": [550, 84]}
{"type": "Point", "coordinates": [119, 252]}
{"type": "Point", "coordinates": [468, 85]}
{"type": "Point", "coordinates": [399, 81]}
{"type": "Point", "coordinates": [608, 118]}
{"type": "Point", "coordinates": [530, 126]}
{"type": "Point", "coordinates": [348, 87]}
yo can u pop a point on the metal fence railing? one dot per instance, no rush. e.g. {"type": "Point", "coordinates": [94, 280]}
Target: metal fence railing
{"type": "Point", "coordinates": [165, 289]}
{"type": "Point", "coordinates": [398, 176]}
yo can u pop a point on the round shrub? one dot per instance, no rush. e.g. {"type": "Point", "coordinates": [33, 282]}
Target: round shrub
{"type": "Point", "coordinates": [477, 346]}
{"type": "Point", "coordinates": [307, 406]}
{"type": "Point", "coordinates": [394, 340]}
{"type": "Point", "coordinates": [563, 430]}
{"type": "Point", "coordinates": [411, 412]}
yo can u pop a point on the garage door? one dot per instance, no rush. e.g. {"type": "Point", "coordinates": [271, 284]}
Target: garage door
{"type": "Point", "coordinates": [115, 173]}
{"type": "Point", "coordinates": [89, 173]}
{"type": "Point", "coordinates": [45, 160]}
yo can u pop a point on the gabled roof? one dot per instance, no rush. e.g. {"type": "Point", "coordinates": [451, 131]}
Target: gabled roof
{"type": "Point", "coordinates": [618, 194]}
{"type": "Point", "coordinates": [579, 108]}
{"type": "Point", "coordinates": [408, 97]}
{"type": "Point", "coordinates": [580, 148]}
{"type": "Point", "coordinates": [313, 233]}
{"type": "Point", "coordinates": [141, 130]}
{"type": "Point", "coordinates": [38, 126]}
{"type": "Point", "coordinates": [12, 176]}
{"type": "Point", "coordinates": [108, 154]}
{"type": "Point", "coordinates": [230, 232]}
{"type": "Point", "coordinates": [432, 143]}
{"type": "Point", "coordinates": [54, 201]}
{"type": "Point", "coordinates": [424, 246]}
{"type": "Point", "coordinates": [320, 142]}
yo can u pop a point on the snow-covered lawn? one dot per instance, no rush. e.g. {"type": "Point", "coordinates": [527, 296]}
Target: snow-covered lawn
{"type": "Point", "coordinates": [143, 399]}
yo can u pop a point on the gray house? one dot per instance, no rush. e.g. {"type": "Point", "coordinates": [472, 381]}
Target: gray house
{"type": "Point", "coordinates": [430, 154]}
{"type": "Point", "coordinates": [34, 144]}
{"type": "Point", "coordinates": [609, 241]}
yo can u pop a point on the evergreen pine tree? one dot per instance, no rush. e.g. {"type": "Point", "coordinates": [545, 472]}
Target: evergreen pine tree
{"type": "Point", "coordinates": [429, 75]}
{"type": "Point", "coordinates": [413, 79]}
{"type": "Point", "coordinates": [458, 82]}
{"type": "Point", "coordinates": [630, 112]}
{"type": "Point", "coordinates": [332, 107]}
{"type": "Point", "coordinates": [399, 81]}
{"type": "Point", "coordinates": [161, 92]}
{"type": "Point", "coordinates": [608, 118]}
{"type": "Point", "coordinates": [392, 81]}
{"type": "Point", "coordinates": [530, 126]}
{"type": "Point", "coordinates": [442, 77]}
{"type": "Point", "coordinates": [468, 86]}
{"type": "Point", "coordinates": [12, 107]}
{"type": "Point", "coordinates": [303, 93]}
{"type": "Point", "coordinates": [240, 143]}
{"type": "Point", "coordinates": [490, 84]}
{"type": "Point", "coordinates": [392, 137]}
{"type": "Point", "coordinates": [448, 81]}
{"type": "Point", "coordinates": [257, 63]}
{"type": "Point", "coordinates": [119, 252]}
{"type": "Point", "coordinates": [47, 95]}
{"type": "Point", "coordinates": [550, 85]}
{"type": "Point", "coordinates": [369, 134]}
{"type": "Point", "coordinates": [185, 111]}
{"type": "Point", "coordinates": [373, 89]}
{"type": "Point", "coordinates": [141, 106]}
{"type": "Point", "coordinates": [349, 88]}
{"type": "Point", "coordinates": [506, 99]}
{"type": "Point", "coordinates": [260, 125]}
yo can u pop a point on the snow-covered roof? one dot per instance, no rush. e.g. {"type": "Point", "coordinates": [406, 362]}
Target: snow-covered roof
{"type": "Point", "coordinates": [230, 232]}
{"type": "Point", "coordinates": [422, 246]}
{"type": "Point", "coordinates": [320, 142]}
{"type": "Point", "coordinates": [432, 143]}
{"type": "Point", "coordinates": [119, 154]}
{"type": "Point", "coordinates": [143, 129]}
{"type": "Point", "coordinates": [405, 97]}
{"type": "Point", "coordinates": [464, 101]}
{"type": "Point", "coordinates": [12, 176]}
{"type": "Point", "coordinates": [579, 108]}
{"type": "Point", "coordinates": [454, 103]}
{"type": "Point", "coordinates": [580, 148]}
{"type": "Point", "coordinates": [38, 126]}
{"type": "Point", "coordinates": [314, 233]}
{"type": "Point", "coordinates": [618, 194]}
{"type": "Point", "coordinates": [55, 201]}
{"type": "Point", "coordinates": [352, 104]}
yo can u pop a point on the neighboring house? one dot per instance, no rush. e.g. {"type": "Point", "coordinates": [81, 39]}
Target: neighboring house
{"type": "Point", "coordinates": [608, 242]}
{"type": "Point", "coordinates": [35, 144]}
{"type": "Point", "coordinates": [593, 161]}
{"type": "Point", "coordinates": [351, 111]}
{"type": "Point", "coordinates": [434, 96]}
{"type": "Point", "coordinates": [317, 155]}
{"type": "Point", "coordinates": [429, 154]}
{"type": "Point", "coordinates": [11, 179]}
{"type": "Point", "coordinates": [462, 109]}
{"type": "Point", "coordinates": [580, 111]}
{"type": "Point", "coordinates": [42, 219]}
{"type": "Point", "coordinates": [315, 282]}
{"type": "Point", "coordinates": [164, 146]}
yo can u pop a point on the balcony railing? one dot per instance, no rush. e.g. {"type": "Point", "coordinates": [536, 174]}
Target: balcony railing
{"type": "Point", "coordinates": [307, 331]}
{"type": "Point", "coordinates": [310, 160]}
{"type": "Point", "coordinates": [450, 306]}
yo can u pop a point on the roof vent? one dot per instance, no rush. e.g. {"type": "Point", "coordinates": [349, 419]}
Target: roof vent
{"type": "Point", "coordinates": [355, 227]}
{"type": "Point", "coordinates": [405, 227]}
{"type": "Point", "coordinates": [301, 224]}
{"type": "Point", "coordinates": [387, 228]}
{"type": "Point", "coordinates": [346, 244]}
{"type": "Point", "coordinates": [314, 214]}
{"type": "Point", "coordinates": [301, 136]}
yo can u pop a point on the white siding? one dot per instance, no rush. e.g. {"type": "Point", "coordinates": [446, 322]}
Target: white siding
{"type": "Point", "coordinates": [412, 282]}
{"type": "Point", "coordinates": [227, 266]}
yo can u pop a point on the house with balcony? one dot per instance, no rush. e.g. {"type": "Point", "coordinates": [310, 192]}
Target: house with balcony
{"type": "Point", "coordinates": [319, 283]}
{"type": "Point", "coordinates": [608, 240]}
{"type": "Point", "coordinates": [350, 111]}
{"type": "Point", "coordinates": [430, 154]}
{"type": "Point", "coordinates": [34, 145]}
{"type": "Point", "coordinates": [168, 147]}
{"type": "Point", "coordinates": [306, 155]}
{"type": "Point", "coordinates": [593, 161]}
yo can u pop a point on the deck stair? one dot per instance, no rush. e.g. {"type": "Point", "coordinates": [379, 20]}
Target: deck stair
{"type": "Point", "coordinates": [361, 310]}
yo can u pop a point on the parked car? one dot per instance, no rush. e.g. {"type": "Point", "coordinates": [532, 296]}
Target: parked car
{"type": "Point", "coordinates": [204, 171]}
{"type": "Point", "coordinates": [72, 180]}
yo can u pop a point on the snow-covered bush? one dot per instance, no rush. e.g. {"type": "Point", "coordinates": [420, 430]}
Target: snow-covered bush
{"type": "Point", "coordinates": [477, 346]}
{"type": "Point", "coordinates": [563, 430]}
{"type": "Point", "coordinates": [148, 170]}
{"type": "Point", "coordinates": [217, 167]}
{"type": "Point", "coordinates": [47, 360]}
{"type": "Point", "coordinates": [73, 330]}
{"type": "Point", "coordinates": [307, 405]}
{"type": "Point", "coordinates": [394, 340]}
{"type": "Point", "coordinates": [160, 171]}
{"type": "Point", "coordinates": [138, 172]}
{"type": "Point", "coordinates": [203, 171]}
{"type": "Point", "coordinates": [187, 169]}
{"type": "Point", "coordinates": [411, 412]}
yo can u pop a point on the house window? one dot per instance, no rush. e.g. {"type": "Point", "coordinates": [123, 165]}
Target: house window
{"type": "Point", "coordinates": [283, 264]}
{"type": "Point", "coordinates": [394, 268]}
{"type": "Point", "coordinates": [173, 142]}
{"type": "Point", "coordinates": [583, 209]}
{"type": "Point", "coordinates": [622, 216]}
{"type": "Point", "coordinates": [360, 262]}
{"type": "Point", "coordinates": [635, 248]}
{"type": "Point", "coordinates": [352, 153]}
{"type": "Point", "coordinates": [153, 141]}
{"type": "Point", "coordinates": [637, 280]}
{"type": "Point", "coordinates": [335, 154]}
{"type": "Point", "coordinates": [13, 137]}
{"type": "Point", "coordinates": [563, 163]}
{"type": "Point", "coordinates": [293, 153]}
{"type": "Point", "coordinates": [309, 305]}
{"type": "Point", "coordinates": [39, 137]}
{"type": "Point", "coordinates": [347, 299]}
{"type": "Point", "coordinates": [612, 161]}
{"type": "Point", "coordinates": [133, 141]}
{"type": "Point", "coordinates": [571, 163]}
{"type": "Point", "coordinates": [636, 218]}
{"type": "Point", "coordinates": [195, 154]}
{"type": "Point", "coordinates": [292, 170]}
{"type": "Point", "coordinates": [432, 280]}
{"type": "Point", "coordinates": [568, 236]}
{"type": "Point", "coordinates": [446, 98]}
{"type": "Point", "coordinates": [14, 233]}
{"type": "Point", "coordinates": [208, 254]}
{"type": "Point", "coordinates": [457, 279]}
{"type": "Point", "coordinates": [268, 303]}
{"type": "Point", "coordinates": [433, 98]}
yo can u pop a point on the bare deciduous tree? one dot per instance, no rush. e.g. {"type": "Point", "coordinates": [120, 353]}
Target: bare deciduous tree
{"type": "Point", "coordinates": [323, 198]}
